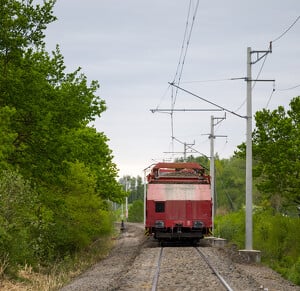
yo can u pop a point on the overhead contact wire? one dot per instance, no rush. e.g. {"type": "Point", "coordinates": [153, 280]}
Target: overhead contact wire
{"type": "Point", "coordinates": [183, 42]}
{"type": "Point", "coordinates": [181, 62]}
{"type": "Point", "coordinates": [176, 73]}
{"type": "Point", "coordinates": [260, 70]}
{"type": "Point", "coordinates": [186, 48]}
{"type": "Point", "coordinates": [286, 31]}
{"type": "Point", "coordinates": [290, 88]}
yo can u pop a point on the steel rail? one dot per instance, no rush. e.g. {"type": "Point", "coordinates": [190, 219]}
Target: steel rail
{"type": "Point", "coordinates": [225, 284]}
{"type": "Point", "coordinates": [156, 276]}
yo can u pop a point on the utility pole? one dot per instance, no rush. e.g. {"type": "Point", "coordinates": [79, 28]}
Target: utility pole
{"type": "Point", "coordinates": [145, 190]}
{"type": "Point", "coordinates": [212, 137]}
{"type": "Point", "coordinates": [126, 201]}
{"type": "Point", "coordinates": [249, 224]}
{"type": "Point", "coordinates": [186, 147]}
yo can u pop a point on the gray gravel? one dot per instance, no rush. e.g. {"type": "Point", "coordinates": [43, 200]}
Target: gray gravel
{"type": "Point", "coordinates": [132, 265]}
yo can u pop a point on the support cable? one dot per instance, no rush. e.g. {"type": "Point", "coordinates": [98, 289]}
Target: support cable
{"type": "Point", "coordinates": [212, 103]}
{"type": "Point", "coordinates": [273, 90]}
{"type": "Point", "coordinates": [190, 147]}
{"type": "Point", "coordinates": [181, 62]}
{"type": "Point", "coordinates": [212, 80]}
{"type": "Point", "coordinates": [186, 48]}
{"type": "Point", "coordinates": [286, 31]}
{"type": "Point", "coordinates": [163, 96]}
{"type": "Point", "coordinates": [260, 70]}
{"type": "Point", "coordinates": [290, 88]}
{"type": "Point", "coordinates": [183, 42]}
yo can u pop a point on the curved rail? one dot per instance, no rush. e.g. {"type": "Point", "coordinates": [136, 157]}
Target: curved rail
{"type": "Point", "coordinates": [225, 284]}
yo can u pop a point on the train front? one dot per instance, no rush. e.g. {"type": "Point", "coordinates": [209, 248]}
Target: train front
{"type": "Point", "coordinates": [178, 202]}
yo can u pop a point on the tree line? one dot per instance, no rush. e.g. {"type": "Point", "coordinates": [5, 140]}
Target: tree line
{"type": "Point", "coordinates": [57, 175]}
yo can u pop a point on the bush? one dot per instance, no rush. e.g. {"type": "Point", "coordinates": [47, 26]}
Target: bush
{"type": "Point", "coordinates": [293, 273]}
{"type": "Point", "coordinates": [277, 237]}
{"type": "Point", "coordinates": [231, 227]}
{"type": "Point", "coordinates": [17, 217]}
{"type": "Point", "coordinates": [136, 211]}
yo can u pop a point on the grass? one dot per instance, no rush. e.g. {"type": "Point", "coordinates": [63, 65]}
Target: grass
{"type": "Point", "coordinates": [59, 274]}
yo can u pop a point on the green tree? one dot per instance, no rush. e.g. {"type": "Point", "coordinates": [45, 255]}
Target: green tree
{"type": "Point", "coordinates": [276, 148]}
{"type": "Point", "coordinates": [136, 211]}
{"type": "Point", "coordinates": [230, 183]}
{"type": "Point", "coordinates": [135, 187]}
{"type": "Point", "coordinates": [202, 160]}
{"type": "Point", "coordinates": [45, 135]}
{"type": "Point", "coordinates": [50, 105]}
{"type": "Point", "coordinates": [18, 218]}
{"type": "Point", "coordinates": [7, 135]}
{"type": "Point", "coordinates": [82, 216]}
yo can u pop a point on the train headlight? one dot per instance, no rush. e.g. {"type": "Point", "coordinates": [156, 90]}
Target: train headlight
{"type": "Point", "coordinates": [198, 224]}
{"type": "Point", "coordinates": [159, 224]}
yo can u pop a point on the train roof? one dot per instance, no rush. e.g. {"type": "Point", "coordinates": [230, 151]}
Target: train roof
{"type": "Point", "coordinates": [178, 165]}
{"type": "Point", "coordinates": [178, 173]}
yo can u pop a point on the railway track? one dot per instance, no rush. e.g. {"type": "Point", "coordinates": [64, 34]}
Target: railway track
{"type": "Point", "coordinates": [197, 273]}
{"type": "Point", "coordinates": [136, 264]}
{"type": "Point", "coordinates": [223, 281]}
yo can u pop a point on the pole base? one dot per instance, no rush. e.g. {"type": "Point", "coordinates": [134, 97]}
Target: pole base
{"type": "Point", "coordinates": [219, 242]}
{"type": "Point", "coordinates": [213, 242]}
{"type": "Point", "coordinates": [251, 256]}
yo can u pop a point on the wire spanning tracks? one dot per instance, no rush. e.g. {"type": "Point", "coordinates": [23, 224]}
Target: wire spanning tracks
{"type": "Point", "coordinates": [186, 268]}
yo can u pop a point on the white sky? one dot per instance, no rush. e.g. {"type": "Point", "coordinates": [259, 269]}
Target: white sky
{"type": "Point", "coordinates": [132, 48]}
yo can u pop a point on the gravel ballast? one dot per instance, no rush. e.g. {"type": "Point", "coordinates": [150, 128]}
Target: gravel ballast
{"type": "Point", "coordinates": [131, 265]}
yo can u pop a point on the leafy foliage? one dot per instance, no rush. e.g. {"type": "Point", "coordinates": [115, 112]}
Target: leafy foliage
{"type": "Point", "coordinates": [7, 135]}
{"type": "Point", "coordinates": [57, 172]}
{"type": "Point", "coordinates": [231, 227]}
{"type": "Point", "coordinates": [136, 211]}
{"type": "Point", "coordinates": [276, 149]}
{"type": "Point", "coordinates": [18, 218]}
{"type": "Point", "coordinates": [134, 187]}
{"type": "Point", "coordinates": [277, 236]}
{"type": "Point", "coordinates": [230, 183]}
{"type": "Point", "coordinates": [202, 160]}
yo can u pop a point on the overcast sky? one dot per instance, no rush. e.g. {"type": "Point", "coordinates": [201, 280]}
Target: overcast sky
{"type": "Point", "coordinates": [132, 48]}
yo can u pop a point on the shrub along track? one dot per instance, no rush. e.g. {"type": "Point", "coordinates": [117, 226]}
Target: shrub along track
{"type": "Point", "coordinates": [107, 274]}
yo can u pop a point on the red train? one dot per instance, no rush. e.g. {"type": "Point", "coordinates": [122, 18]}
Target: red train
{"type": "Point", "coordinates": [178, 202]}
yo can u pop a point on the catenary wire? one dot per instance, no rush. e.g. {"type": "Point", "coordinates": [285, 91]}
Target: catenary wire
{"type": "Point", "coordinates": [185, 52]}
{"type": "Point", "coordinates": [210, 80]}
{"type": "Point", "coordinates": [212, 103]}
{"type": "Point", "coordinates": [260, 70]}
{"type": "Point", "coordinates": [173, 98]}
{"type": "Point", "coordinates": [163, 96]}
{"type": "Point", "coordinates": [181, 62]}
{"type": "Point", "coordinates": [265, 58]}
{"type": "Point", "coordinates": [273, 90]}
{"type": "Point", "coordinates": [290, 88]}
{"type": "Point", "coordinates": [290, 27]}
{"type": "Point", "coordinates": [243, 103]}
{"type": "Point", "coordinates": [183, 42]}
